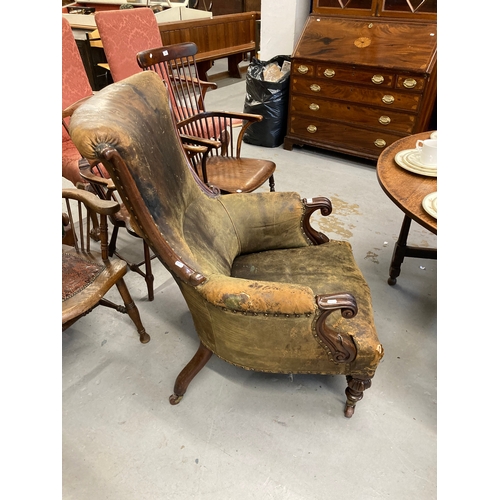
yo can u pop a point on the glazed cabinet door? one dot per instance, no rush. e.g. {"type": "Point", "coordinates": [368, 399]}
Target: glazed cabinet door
{"type": "Point", "coordinates": [416, 9]}
{"type": "Point", "coordinates": [344, 7]}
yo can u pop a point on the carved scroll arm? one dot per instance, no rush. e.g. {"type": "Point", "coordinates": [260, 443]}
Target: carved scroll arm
{"type": "Point", "coordinates": [311, 205]}
{"type": "Point", "coordinates": [340, 347]}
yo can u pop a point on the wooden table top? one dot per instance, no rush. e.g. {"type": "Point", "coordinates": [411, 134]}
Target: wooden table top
{"type": "Point", "coordinates": [404, 188]}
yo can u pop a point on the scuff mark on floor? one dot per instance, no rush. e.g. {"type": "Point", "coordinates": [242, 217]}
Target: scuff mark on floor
{"type": "Point", "coordinates": [372, 256]}
{"type": "Point", "coordinates": [333, 223]}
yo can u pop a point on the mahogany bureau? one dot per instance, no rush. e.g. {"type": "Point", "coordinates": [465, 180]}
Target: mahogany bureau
{"type": "Point", "coordinates": [362, 78]}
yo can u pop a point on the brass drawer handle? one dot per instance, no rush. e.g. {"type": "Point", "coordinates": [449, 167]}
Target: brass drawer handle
{"type": "Point", "coordinates": [388, 99]}
{"type": "Point", "coordinates": [384, 120]}
{"type": "Point", "coordinates": [311, 129]}
{"type": "Point", "coordinates": [313, 106]}
{"type": "Point", "coordinates": [409, 83]}
{"type": "Point", "coordinates": [329, 73]}
{"type": "Point", "coordinates": [377, 79]}
{"type": "Point", "coordinates": [302, 69]}
{"type": "Point", "coordinates": [380, 143]}
{"type": "Point", "coordinates": [315, 88]}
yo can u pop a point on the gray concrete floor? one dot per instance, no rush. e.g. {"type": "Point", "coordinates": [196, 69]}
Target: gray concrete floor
{"type": "Point", "coordinates": [245, 435]}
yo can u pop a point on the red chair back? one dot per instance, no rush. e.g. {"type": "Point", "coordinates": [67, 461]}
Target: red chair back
{"type": "Point", "coordinates": [124, 33]}
{"type": "Point", "coordinates": [75, 86]}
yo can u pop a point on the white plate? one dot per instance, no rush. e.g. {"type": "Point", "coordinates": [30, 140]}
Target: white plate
{"type": "Point", "coordinates": [430, 204]}
{"type": "Point", "coordinates": [406, 159]}
{"type": "Point", "coordinates": [434, 135]}
{"type": "Point", "coordinates": [413, 159]}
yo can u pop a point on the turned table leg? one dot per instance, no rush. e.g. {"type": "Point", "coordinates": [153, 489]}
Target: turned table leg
{"type": "Point", "coordinates": [399, 251]}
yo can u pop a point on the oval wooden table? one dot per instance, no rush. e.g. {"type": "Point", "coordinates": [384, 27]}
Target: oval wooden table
{"type": "Point", "coordinates": [407, 190]}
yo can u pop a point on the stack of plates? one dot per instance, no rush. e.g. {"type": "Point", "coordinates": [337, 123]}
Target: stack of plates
{"type": "Point", "coordinates": [409, 159]}
{"type": "Point", "coordinates": [430, 204]}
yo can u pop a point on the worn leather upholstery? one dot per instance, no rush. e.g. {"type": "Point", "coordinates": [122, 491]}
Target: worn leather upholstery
{"type": "Point", "coordinates": [247, 269]}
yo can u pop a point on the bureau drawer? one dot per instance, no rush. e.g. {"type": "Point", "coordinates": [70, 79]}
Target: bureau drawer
{"type": "Point", "coordinates": [387, 98]}
{"type": "Point", "coordinates": [341, 135]}
{"type": "Point", "coordinates": [410, 82]}
{"type": "Point", "coordinates": [318, 108]}
{"type": "Point", "coordinates": [373, 78]}
{"type": "Point", "coordinates": [303, 68]}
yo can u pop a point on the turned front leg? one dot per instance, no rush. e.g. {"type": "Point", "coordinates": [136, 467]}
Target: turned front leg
{"type": "Point", "coordinates": [354, 393]}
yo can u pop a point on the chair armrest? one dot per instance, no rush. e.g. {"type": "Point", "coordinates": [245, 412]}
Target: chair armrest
{"type": "Point", "coordinates": [259, 297]}
{"type": "Point", "coordinates": [211, 123]}
{"type": "Point", "coordinates": [89, 176]}
{"type": "Point", "coordinates": [191, 148]}
{"type": "Point", "coordinates": [201, 142]}
{"type": "Point", "coordinates": [220, 116]}
{"type": "Point", "coordinates": [90, 200]}
{"type": "Point", "coordinates": [266, 221]}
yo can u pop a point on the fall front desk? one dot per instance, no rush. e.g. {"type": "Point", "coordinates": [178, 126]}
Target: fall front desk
{"type": "Point", "coordinates": [359, 84]}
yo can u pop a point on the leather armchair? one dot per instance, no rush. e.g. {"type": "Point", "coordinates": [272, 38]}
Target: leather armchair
{"type": "Point", "coordinates": [266, 291]}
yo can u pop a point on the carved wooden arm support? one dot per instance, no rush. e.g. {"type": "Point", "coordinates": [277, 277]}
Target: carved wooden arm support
{"type": "Point", "coordinates": [340, 348]}
{"type": "Point", "coordinates": [311, 205]}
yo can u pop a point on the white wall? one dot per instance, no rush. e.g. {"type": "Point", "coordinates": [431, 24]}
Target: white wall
{"type": "Point", "coordinates": [282, 22]}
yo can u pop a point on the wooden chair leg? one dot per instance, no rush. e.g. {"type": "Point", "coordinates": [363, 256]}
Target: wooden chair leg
{"type": "Point", "coordinates": [132, 311]}
{"type": "Point", "coordinates": [149, 274]}
{"type": "Point", "coordinates": [271, 183]}
{"type": "Point", "coordinates": [112, 241]}
{"type": "Point", "coordinates": [184, 378]}
{"type": "Point", "coordinates": [354, 393]}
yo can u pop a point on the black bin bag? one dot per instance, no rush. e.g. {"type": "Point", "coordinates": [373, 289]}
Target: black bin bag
{"type": "Point", "coordinates": [269, 99]}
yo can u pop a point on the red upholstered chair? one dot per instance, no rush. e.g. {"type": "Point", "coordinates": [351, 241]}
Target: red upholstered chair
{"type": "Point", "coordinates": [75, 86]}
{"type": "Point", "coordinates": [124, 33]}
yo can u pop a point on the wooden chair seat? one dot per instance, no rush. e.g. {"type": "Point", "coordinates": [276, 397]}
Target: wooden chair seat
{"type": "Point", "coordinates": [85, 279]}
{"type": "Point", "coordinates": [238, 175]}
